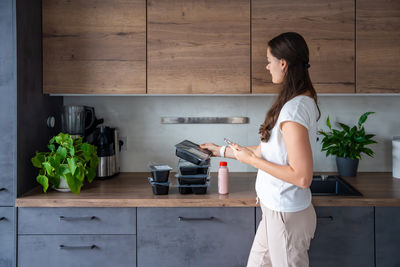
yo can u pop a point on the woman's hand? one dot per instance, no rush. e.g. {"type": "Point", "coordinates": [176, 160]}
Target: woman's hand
{"type": "Point", "coordinates": [243, 154]}
{"type": "Point", "coordinates": [212, 147]}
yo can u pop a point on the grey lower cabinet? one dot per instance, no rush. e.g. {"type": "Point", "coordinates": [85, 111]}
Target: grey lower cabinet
{"type": "Point", "coordinates": [77, 250]}
{"type": "Point", "coordinates": [344, 237]}
{"type": "Point", "coordinates": [6, 190]}
{"type": "Point", "coordinates": [194, 237]}
{"type": "Point", "coordinates": [387, 236]}
{"type": "Point", "coordinates": [76, 237]}
{"type": "Point", "coordinates": [7, 236]}
{"type": "Point", "coordinates": [77, 221]}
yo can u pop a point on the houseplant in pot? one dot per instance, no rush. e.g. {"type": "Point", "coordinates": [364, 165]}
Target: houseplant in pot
{"type": "Point", "coordinates": [67, 164]}
{"type": "Point", "coordinates": [347, 144]}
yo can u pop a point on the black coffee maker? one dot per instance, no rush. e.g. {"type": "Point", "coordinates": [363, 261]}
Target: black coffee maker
{"type": "Point", "coordinates": [108, 147]}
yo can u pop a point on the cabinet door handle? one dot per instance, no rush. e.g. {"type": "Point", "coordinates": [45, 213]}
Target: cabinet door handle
{"type": "Point", "coordinates": [89, 218]}
{"type": "Point", "coordinates": [78, 247]}
{"type": "Point", "coordinates": [3, 219]}
{"type": "Point", "coordinates": [327, 218]}
{"type": "Point", "coordinates": [180, 218]}
{"type": "Point", "coordinates": [3, 189]}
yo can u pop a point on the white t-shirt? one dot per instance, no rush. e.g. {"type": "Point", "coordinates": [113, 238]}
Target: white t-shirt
{"type": "Point", "coordinates": [274, 193]}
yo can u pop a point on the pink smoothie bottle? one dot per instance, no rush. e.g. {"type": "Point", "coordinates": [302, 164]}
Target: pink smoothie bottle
{"type": "Point", "coordinates": [223, 178]}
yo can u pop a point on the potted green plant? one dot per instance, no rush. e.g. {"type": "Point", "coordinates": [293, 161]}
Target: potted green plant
{"type": "Point", "coordinates": [68, 163]}
{"type": "Point", "coordinates": [347, 144]}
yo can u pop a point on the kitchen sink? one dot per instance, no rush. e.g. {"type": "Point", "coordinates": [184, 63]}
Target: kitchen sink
{"type": "Point", "coordinates": [332, 185]}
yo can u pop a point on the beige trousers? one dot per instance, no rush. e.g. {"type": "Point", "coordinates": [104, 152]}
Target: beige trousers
{"type": "Point", "coordinates": [283, 238]}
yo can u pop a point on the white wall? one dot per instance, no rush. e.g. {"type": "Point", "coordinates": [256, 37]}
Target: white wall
{"type": "Point", "coordinates": [138, 118]}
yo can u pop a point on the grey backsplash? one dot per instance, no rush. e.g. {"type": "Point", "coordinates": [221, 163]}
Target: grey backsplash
{"type": "Point", "coordinates": [138, 119]}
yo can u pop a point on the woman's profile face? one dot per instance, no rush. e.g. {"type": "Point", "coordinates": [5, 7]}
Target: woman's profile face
{"type": "Point", "coordinates": [275, 67]}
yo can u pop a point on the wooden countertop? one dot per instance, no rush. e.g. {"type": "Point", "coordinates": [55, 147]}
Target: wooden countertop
{"type": "Point", "coordinates": [134, 190]}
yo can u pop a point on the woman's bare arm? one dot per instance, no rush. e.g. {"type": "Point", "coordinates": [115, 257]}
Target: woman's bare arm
{"type": "Point", "coordinates": [300, 168]}
{"type": "Point", "coordinates": [215, 149]}
{"type": "Point", "coordinates": [255, 149]}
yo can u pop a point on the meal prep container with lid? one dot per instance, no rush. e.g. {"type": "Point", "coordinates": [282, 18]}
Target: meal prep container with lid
{"type": "Point", "coordinates": [196, 189]}
{"type": "Point", "coordinates": [160, 172]}
{"type": "Point", "coordinates": [188, 168]}
{"type": "Point", "coordinates": [193, 153]}
{"type": "Point", "coordinates": [192, 179]}
{"type": "Point", "coordinates": [159, 188]}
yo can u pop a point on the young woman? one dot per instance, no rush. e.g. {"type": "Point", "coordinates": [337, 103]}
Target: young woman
{"type": "Point", "coordinates": [284, 159]}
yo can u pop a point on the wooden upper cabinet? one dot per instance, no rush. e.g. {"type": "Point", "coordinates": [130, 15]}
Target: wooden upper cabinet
{"type": "Point", "coordinates": [328, 28]}
{"type": "Point", "coordinates": [378, 46]}
{"type": "Point", "coordinates": [198, 46]}
{"type": "Point", "coordinates": [94, 47]}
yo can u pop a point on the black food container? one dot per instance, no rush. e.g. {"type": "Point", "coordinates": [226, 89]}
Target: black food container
{"type": "Point", "coordinates": [193, 153]}
{"type": "Point", "coordinates": [159, 188]}
{"type": "Point", "coordinates": [192, 179]}
{"type": "Point", "coordinates": [185, 190]}
{"type": "Point", "coordinates": [200, 190]}
{"type": "Point", "coordinates": [196, 189]}
{"type": "Point", "coordinates": [188, 168]}
{"type": "Point", "coordinates": [159, 172]}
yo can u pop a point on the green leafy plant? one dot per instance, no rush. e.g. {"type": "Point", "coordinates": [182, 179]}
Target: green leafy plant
{"type": "Point", "coordinates": [69, 158]}
{"type": "Point", "coordinates": [349, 142]}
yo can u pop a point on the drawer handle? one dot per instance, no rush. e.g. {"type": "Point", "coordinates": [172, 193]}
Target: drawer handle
{"type": "Point", "coordinates": [180, 218]}
{"type": "Point", "coordinates": [78, 247]}
{"type": "Point", "coordinates": [328, 218]}
{"type": "Point", "coordinates": [3, 218]}
{"type": "Point", "coordinates": [89, 218]}
{"type": "Point", "coordinates": [3, 189]}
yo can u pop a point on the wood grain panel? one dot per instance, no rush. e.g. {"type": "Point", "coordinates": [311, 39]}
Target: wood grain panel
{"type": "Point", "coordinates": [378, 46]}
{"type": "Point", "coordinates": [198, 47]}
{"type": "Point", "coordinates": [328, 28]}
{"type": "Point", "coordinates": [134, 190]}
{"type": "Point", "coordinates": [94, 47]}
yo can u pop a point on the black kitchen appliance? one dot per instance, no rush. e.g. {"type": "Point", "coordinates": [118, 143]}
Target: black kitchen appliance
{"type": "Point", "coordinates": [79, 121]}
{"type": "Point", "coordinates": [108, 148]}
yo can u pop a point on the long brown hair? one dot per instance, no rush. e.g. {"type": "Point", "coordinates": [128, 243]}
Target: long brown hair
{"type": "Point", "coordinates": [291, 47]}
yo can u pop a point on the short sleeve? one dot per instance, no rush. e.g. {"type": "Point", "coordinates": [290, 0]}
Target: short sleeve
{"type": "Point", "coordinates": [296, 112]}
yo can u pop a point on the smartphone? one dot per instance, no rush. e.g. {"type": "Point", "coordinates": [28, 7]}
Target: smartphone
{"type": "Point", "coordinates": [228, 142]}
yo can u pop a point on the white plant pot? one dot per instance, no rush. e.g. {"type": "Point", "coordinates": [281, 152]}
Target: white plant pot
{"type": "Point", "coordinates": [63, 186]}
